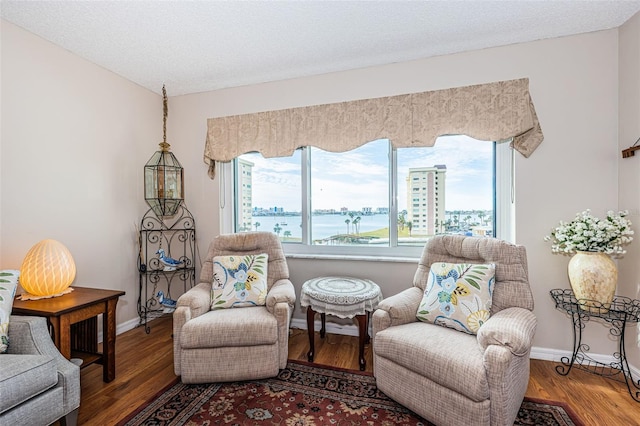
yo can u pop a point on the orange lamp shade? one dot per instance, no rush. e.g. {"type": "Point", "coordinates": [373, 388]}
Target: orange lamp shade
{"type": "Point", "coordinates": [48, 269]}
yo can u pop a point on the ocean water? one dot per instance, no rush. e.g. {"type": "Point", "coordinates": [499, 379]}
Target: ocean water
{"type": "Point", "coordinates": [323, 226]}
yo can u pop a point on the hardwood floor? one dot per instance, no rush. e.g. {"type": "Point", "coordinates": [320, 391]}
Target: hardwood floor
{"type": "Point", "coordinates": [144, 366]}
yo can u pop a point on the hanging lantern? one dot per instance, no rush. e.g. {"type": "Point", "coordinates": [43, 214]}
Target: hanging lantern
{"type": "Point", "coordinates": [163, 175]}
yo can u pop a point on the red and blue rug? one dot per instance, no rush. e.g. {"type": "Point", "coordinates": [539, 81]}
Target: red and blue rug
{"type": "Point", "coordinates": [305, 395]}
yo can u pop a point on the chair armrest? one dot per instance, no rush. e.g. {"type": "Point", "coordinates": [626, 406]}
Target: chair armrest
{"type": "Point", "coordinates": [29, 335]}
{"type": "Point", "coordinates": [282, 291]}
{"type": "Point", "coordinates": [196, 299]}
{"type": "Point", "coordinates": [398, 309]}
{"type": "Point", "coordinates": [512, 328]}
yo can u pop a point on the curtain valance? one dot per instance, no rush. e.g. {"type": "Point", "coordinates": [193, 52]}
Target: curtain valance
{"type": "Point", "coordinates": [493, 111]}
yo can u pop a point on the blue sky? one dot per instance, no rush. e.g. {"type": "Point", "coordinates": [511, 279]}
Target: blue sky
{"type": "Point", "coordinates": [359, 178]}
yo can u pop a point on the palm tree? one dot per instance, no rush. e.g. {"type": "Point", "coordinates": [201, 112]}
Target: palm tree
{"type": "Point", "coordinates": [277, 229]}
{"type": "Point", "coordinates": [347, 222]}
{"type": "Point", "coordinates": [410, 227]}
{"type": "Point", "coordinates": [356, 224]}
{"type": "Point", "coordinates": [481, 215]}
{"type": "Point", "coordinates": [257, 224]}
{"type": "Point", "coordinates": [401, 221]}
{"type": "Point", "coordinates": [287, 234]}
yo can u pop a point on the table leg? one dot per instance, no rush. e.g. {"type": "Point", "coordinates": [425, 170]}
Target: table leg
{"type": "Point", "coordinates": [109, 341]}
{"type": "Point", "coordinates": [63, 333]}
{"type": "Point", "coordinates": [363, 333]}
{"type": "Point", "coordinates": [323, 329]}
{"type": "Point", "coordinates": [310, 330]}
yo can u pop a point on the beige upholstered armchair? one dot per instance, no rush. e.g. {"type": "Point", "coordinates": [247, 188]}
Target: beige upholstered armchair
{"type": "Point", "coordinates": [451, 377]}
{"type": "Point", "coordinates": [235, 343]}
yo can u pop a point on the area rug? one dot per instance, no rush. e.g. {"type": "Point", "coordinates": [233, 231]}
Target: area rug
{"type": "Point", "coordinates": [304, 394]}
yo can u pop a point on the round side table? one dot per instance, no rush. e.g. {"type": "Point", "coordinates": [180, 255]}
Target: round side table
{"type": "Point", "coordinates": [344, 297]}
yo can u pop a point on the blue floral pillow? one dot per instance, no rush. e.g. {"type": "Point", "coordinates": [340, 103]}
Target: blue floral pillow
{"type": "Point", "coordinates": [458, 295]}
{"type": "Point", "coordinates": [239, 281]}
{"type": "Point", "coordinates": [8, 285]}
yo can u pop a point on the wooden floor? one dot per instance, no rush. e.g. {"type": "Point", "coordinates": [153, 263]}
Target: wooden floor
{"type": "Point", "coordinates": [144, 366]}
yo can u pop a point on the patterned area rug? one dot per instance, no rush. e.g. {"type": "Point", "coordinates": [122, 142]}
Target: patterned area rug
{"type": "Point", "coordinates": [304, 395]}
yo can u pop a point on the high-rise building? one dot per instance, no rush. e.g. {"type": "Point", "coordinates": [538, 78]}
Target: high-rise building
{"type": "Point", "coordinates": [245, 202]}
{"type": "Point", "coordinates": [425, 199]}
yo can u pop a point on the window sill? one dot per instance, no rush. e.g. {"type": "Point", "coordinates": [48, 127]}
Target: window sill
{"type": "Point", "coordinates": [359, 258]}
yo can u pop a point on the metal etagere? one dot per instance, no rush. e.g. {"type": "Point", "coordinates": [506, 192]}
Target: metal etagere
{"type": "Point", "coordinates": [176, 237]}
{"type": "Point", "coordinates": [622, 310]}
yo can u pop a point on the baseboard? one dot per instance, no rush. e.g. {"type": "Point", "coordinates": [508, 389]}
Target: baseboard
{"type": "Point", "coordinates": [544, 354]}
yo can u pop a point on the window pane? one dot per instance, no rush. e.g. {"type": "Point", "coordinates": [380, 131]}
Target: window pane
{"type": "Point", "coordinates": [350, 196]}
{"type": "Point", "coordinates": [445, 189]}
{"type": "Point", "coordinates": [269, 195]}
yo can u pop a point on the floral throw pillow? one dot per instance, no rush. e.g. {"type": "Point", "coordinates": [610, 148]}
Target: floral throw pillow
{"type": "Point", "coordinates": [458, 295]}
{"type": "Point", "coordinates": [239, 281]}
{"type": "Point", "coordinates": [8, 285]}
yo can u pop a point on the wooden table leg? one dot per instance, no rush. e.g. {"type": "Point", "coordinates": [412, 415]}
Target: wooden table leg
{"type": "Point", "coordinates": [323, 329]}
{"type": "Point", "coordinates": [63, 333]}
{"type": "Point", "coordinates": [109, 341]}
{"type": "Point", "coordinates": [310, 330]}
{"type": "Point", "coordinates": [363, 333]}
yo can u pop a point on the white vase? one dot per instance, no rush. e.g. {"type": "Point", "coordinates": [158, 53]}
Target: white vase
{"type": "Point", "coordinates": [593, 277]}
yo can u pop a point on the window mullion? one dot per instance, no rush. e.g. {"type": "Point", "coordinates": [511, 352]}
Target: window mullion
{"type": "Point", "coordinates": [305, 159]}
{"type": "Point", "coordinates": [393, 196]}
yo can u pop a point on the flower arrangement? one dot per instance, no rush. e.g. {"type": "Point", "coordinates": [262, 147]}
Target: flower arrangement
{"type": "Point", "coordinates": [588, 233]}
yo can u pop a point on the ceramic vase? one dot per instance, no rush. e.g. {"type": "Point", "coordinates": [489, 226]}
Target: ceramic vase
{"type": "Point", "coordinates": [593, 277]}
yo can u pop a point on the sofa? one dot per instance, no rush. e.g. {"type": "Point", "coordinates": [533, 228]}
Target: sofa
{"type": "Point", "coordinates": [38, 386]}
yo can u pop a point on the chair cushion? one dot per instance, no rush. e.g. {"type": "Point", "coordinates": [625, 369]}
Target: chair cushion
{"type": "Point", "coordinates": [458, 295]}
{"type": "Point", "coordinates": [442, 355]}
{"type": "Point", "coordinates": [239, 281]}
{"type": "Point", "coordinates": [24, 376]}
{"type": "Point", "coordinates": [230, 327]}
{"type": "Point", "coordinates": [8, 285]}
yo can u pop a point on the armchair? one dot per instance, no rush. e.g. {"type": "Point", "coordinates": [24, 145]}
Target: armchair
{"type": "Point", "coordinates": [234, 343]}
{"type": "Point", "coordinates": [447, 376]}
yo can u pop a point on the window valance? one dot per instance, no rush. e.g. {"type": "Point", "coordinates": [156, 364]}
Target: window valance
{"type": "Point", "coordinates": [493, 111]}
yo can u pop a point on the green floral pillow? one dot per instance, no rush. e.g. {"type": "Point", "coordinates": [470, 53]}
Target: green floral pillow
{"type": "Point", "coordinates": [239, 281]}
{"type": "Point", "coordinates": [458, 295]}
{"type": "Point", "coordinates": [8, 285]}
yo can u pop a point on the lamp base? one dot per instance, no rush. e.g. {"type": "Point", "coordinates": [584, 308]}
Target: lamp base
{"type": "Point", "coordinates": [27, 296]}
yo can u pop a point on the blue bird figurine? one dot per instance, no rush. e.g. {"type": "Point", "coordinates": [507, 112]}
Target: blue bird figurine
{"type": "Point", "coordinates": [169, 304]}
{"type": "Point", "coordinates": [169, 263]}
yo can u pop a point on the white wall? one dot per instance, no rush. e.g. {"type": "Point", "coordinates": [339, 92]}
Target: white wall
{"type": "Point", "coordinates": [574, 86]}
{"type": "Point", "coordinates": [74, 142]}
{"type": "Point", "coordinates": [629, 172]}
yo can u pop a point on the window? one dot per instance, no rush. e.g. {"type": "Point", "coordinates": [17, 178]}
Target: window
{"type": "Point", "coordinates": [358, 202]}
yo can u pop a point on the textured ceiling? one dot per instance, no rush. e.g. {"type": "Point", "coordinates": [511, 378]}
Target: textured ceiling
{"type": "Point", "coordinates": [195, 46]}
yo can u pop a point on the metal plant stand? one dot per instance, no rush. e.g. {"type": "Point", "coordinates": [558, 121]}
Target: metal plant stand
{"type": "Point", "coordinates": [623, 310]}
{"type": "Point", "coordinates": [160, 238]}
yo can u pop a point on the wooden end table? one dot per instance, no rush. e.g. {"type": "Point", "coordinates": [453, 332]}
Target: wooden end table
{"type": "Point", "coordinates": [344, 297]}
{"type": "Point", "coordinates": [73, 322]}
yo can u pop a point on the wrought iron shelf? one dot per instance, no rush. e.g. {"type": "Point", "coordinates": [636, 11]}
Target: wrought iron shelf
{"type": "Point", "coordinates": [176, 236]}
{"type": "Point", "coordinates": [621, 311]}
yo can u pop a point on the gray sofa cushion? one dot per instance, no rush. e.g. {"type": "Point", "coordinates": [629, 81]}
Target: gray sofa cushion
{"type": "Point", "coordinates": [24, 376]}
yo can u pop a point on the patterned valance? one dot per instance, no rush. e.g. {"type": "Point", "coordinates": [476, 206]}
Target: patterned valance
{"type": "Point", "coordinates": [491, 112]}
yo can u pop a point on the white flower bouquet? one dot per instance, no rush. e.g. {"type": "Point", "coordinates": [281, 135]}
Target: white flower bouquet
{"type": "Point", "coordinates": [588, 233]}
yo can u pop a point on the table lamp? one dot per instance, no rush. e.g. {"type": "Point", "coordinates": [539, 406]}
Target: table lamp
{"type": "Point", "coordinates": [47, 270]}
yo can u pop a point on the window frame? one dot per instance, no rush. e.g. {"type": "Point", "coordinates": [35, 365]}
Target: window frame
{"type": "Point", "coordinates": [504, 209]}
